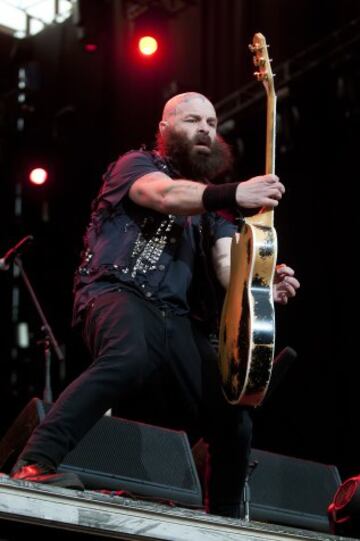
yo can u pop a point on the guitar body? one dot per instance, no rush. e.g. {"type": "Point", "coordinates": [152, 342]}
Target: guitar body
{"type": "Point", "coordinates": [247, 330]}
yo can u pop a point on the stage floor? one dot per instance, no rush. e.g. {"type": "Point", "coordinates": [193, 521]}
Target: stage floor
{"type": "Point", "coordinates": [45, 512]}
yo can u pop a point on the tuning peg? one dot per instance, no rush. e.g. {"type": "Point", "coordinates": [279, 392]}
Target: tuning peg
{"type": "Point", "coordinates": [259, 76]}
{"type": "Point", "coordinates": [254, 48]}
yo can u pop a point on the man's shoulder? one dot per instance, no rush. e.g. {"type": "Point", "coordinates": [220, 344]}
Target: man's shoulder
{"type": "Point", "coordinates": [130, 161]}
{"type": "Point", "coordinates": [135, 156]}
{"type": "Point", "coordinates": [136, 153]}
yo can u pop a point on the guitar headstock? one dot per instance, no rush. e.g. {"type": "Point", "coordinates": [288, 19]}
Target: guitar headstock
{"type": "Point", "coordinates": [261, 59]}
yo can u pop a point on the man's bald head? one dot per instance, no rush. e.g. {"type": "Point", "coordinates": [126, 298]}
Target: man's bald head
{"type": "Point", "coordinates": [186, 102]}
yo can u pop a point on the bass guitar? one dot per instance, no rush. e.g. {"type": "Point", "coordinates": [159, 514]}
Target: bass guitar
{"type": "Point", "coordinates": [247, 329]}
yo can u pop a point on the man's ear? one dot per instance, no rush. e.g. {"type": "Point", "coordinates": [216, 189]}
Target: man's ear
{"type": "Point", "coordinates": [163, 124]}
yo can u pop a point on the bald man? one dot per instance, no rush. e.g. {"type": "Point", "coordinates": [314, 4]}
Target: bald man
{"type": "Point", "coordinates": [146, 301]}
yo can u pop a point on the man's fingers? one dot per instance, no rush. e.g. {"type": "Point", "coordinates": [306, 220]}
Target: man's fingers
{"type": "Point", "coordinates": [273, 181]}
{"type": "Point", "coordinates": [293, 281]}
{"type": "Point", "coordinates": [289, 286]}
{"type": "Point", "coordinates": [276, 194]}
{"type": "Point", "coordinates": [285, 283]}
{"type": "Point", "coordinates": [290, 289]}
{"type": "Point", "coordinates": [283, 269]}
{"type": "Point", "coordinates": [271, 178]}
{"type": "Point", "coordinates": [269, 202]}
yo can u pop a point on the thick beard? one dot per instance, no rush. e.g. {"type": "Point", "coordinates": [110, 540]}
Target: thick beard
{"type": "Point", "coordinates": [192, 163]}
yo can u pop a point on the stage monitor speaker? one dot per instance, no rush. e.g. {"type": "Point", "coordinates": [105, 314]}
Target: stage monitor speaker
{"type": "Point", "coordinates": [118, 454]}
{"type": "Point", "coordinates": [291, 491]}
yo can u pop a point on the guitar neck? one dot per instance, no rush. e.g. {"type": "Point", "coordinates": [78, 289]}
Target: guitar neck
{"type": "Point", "coordinates": [270, 137]}
{"type": "Point", "coordinates": [261, 60]}
{"type": "Point", "coordinates": [267, 215]}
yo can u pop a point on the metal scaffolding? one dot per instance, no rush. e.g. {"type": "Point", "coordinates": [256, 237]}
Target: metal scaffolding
{"type": "Point", "coordinates": [135, 8]}
{"type": "Point", "coordinates": [336, 48]}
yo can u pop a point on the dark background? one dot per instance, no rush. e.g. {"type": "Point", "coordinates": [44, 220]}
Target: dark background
{"type": "Point", "coordinates": [83, 109]}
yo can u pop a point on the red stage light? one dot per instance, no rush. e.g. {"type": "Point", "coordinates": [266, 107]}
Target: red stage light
{"type": "Point", "coordinates": [148, 45]}
{"type": "Point", "coordinates": [38, 175]}
{"type": "Point", "coordinates": [90, 47]}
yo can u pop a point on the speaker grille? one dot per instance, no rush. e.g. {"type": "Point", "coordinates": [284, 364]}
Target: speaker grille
{"type": "Point", "coordinates": [118, 454]}
{"type": "Point", "coordinates": [125, 449]}
{"type": "Point", "coordinates": [291, 491]}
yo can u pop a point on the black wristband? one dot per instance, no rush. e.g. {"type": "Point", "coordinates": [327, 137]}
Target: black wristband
{"type": "Point", "coordinates": [217, 197]}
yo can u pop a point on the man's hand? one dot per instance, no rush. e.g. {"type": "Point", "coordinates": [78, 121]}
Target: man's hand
{"type": "Point", "coordinates": [285, 284]}
{"type": "Point", "coordinates": [262, 191]}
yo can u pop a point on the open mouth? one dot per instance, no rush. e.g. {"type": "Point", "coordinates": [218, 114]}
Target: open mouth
{"type": "Point", "coordinates": [203, 145]}
{"type": "Point", "coordinates": [202, 148]}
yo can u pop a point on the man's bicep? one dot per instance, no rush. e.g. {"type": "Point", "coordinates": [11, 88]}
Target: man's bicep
{"type": "Point", "coordinates": [148, 190]}
{"type": "Point", "coordinates": [121, 175]}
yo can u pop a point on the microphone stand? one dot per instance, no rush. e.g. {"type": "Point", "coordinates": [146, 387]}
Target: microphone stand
{"type": "Point", "coordinates": [246, 490]}
{"type": "Point", "coordinates": [49, 338]}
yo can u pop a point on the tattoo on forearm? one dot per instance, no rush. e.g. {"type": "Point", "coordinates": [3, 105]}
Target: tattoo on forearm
{"type": "Point", "coordinates": [189, 186]}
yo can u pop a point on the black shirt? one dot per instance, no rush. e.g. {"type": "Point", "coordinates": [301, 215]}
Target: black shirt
{"type": "Point", "coordinates": [175, 266]}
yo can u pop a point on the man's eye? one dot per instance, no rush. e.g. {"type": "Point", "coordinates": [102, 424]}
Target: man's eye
{"type": "Point", "coordinates": [190, 120]}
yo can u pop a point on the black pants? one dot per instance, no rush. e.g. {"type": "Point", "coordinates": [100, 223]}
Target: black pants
{"type": "Point", "coordinates": [148, 357]}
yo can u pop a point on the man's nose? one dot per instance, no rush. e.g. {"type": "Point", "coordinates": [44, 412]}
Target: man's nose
{"type": "Point", "coordinates": [203, 127]}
